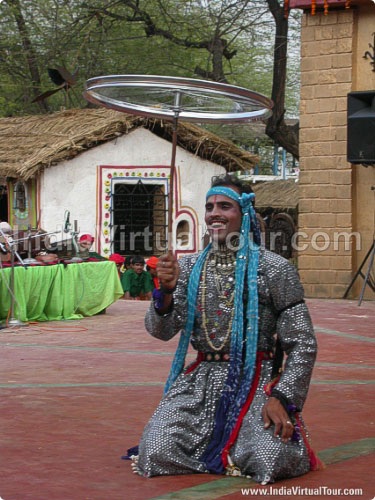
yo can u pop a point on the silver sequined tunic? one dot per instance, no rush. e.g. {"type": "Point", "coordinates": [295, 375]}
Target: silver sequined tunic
{"type": "Point", "coordinates": [181, 426]}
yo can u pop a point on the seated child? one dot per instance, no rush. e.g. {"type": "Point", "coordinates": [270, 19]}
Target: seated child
{"type": "Point", "coordinates": [136, 281]}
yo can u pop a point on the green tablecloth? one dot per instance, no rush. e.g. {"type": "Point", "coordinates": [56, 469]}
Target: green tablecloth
{"type": "Point", "coordinates": [58, 292]}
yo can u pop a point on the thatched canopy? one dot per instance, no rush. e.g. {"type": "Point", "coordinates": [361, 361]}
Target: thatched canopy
{"type": "Point", "coordinates": [279, 194]}
{"type": "Point", "coordinates": [28, 144]}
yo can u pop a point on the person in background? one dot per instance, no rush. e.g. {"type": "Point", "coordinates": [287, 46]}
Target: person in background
{"type": "Point", "coordinates": [136, 281]}
{"type": "Point", "coordinates": [5, 227]}
{"type": "Point", "coordinates": [6, 232]}
{"type": "Point", "coordinates": [118, 260]}
{"type": "Point", "coordinates": [151, 268]}
{"type": "Point", "coordinates": [128, 262]}
{"type": "Point", "coordinates": [85, 242]}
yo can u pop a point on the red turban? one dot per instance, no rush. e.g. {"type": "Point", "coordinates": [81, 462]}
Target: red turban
{"type": "Point", "coordinates": [86, 237]}
{"type": "Point", "coordinates": [116, 258]}
{"type": "Point", "coordinates": [152, 261]}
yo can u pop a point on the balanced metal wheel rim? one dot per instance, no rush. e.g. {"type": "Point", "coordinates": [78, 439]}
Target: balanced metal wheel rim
{"type": "Point", "coordinates": [175, 98]}
{"type": "Point", "coordinates": [167, 97]}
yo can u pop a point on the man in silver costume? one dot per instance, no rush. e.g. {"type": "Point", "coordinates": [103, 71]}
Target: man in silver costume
{"type": "Point", "coordinates": [194, 429]}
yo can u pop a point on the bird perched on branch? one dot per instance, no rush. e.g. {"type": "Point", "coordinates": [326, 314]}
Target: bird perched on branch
{"type": "Point", "coordinates": [61, 77]}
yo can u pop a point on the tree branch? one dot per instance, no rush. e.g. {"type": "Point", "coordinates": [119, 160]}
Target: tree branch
{"type": "Point", "coordinates": [276, 128]}
{"type": "Point", "coordinates": [30, 53]}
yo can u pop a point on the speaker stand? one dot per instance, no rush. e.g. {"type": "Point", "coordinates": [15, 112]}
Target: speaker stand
{"type": "Point", "coordinates": [368, 278]}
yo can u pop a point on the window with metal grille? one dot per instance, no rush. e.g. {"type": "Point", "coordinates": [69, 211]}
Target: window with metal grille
{"type": "Point", "coordinates": [139, 219]}
{"type": "Point", "coordinates": [20, 196]}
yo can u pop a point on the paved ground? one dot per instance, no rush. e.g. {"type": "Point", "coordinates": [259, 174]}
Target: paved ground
{"type": "Point", "coordinates": [76, 394]}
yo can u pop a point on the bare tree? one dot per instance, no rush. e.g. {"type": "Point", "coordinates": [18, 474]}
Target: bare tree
{"type": "Point", "coordinates": [216, 26]}
{"type": "Point", "coordinates": [222, 40]}
{"type": "Point", "coordinates": [211, 26]}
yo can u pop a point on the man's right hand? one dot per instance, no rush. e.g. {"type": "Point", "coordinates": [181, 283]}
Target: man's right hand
{"type": "Point", "coordinates": [167, 270]}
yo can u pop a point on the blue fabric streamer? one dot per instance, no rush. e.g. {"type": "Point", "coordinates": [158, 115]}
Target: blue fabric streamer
{"type": "Point", "coordinates": [183, 344]}
{"type": "Point", "coordinates": [236, 388]}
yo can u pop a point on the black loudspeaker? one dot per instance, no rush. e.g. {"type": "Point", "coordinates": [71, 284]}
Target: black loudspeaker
{"type": "Point", "coordinates": [361, 127]}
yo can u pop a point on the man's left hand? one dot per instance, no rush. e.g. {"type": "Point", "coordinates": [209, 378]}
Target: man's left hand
{"type": "Point", "coordinates": [274, 413]}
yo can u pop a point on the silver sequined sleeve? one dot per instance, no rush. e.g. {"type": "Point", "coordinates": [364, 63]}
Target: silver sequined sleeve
{"type": "Point", "coordinates": [295, 332]}
{"type": "Point", "coordinates": [167, 326]}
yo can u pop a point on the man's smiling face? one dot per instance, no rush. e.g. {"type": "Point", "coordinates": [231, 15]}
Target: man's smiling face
{"type": "Point", "coordinates": [223, 216]}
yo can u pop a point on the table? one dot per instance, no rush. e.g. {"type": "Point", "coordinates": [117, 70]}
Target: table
{"type": "Point", "coordinates": [57, 292]}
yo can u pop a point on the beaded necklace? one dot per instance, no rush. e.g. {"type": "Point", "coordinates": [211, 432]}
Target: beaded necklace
{"type": "Point", "coordinates": [223, 296]}
{"type": "Point", "coordinates": [223, 293]}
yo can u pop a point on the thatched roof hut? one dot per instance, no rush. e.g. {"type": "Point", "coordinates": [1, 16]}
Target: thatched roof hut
{"type": "Point", "coordinates": [280, 194]}
{"type": "Point", "coordinates": [29, 144]}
